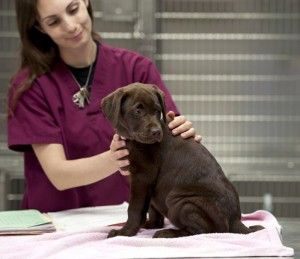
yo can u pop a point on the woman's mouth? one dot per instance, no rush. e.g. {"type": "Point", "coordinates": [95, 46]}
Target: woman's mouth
{"type": "Point", "coordinates": [77, 37]}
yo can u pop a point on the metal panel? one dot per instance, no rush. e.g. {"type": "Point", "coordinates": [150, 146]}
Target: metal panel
{"type": "Point", "coordinates": [115, 10]}
{"type": "Point", "coordinates": [233, 69]}
{"type": "Point", "coordinates": [14, 191]}
{"type": "Point", "coordinates": [2, 190]}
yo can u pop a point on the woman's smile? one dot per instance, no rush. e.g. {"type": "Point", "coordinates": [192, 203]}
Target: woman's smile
{"type": "Point", "coordinates": [77, 37]}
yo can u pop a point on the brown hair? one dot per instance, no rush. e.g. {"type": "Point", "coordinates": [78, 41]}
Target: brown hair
{"type": "Point", "coordinates": [38, 52]}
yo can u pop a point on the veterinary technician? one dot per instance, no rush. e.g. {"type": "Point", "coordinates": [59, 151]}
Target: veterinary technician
{"type": "Point", "coordinates": [71, 154]}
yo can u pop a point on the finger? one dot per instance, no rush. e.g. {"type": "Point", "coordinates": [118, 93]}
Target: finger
{"type": "Point", "coordinates": [116, 137]}
{"type": "Point", "coordinates": [170, 116]}
{"type": "Point", "coordinates": [120, 137]}
{"type": "Point", "coordinates": [125, 173]}
{"type": "Point", "coordinates": [121, 153]}
{"type": "Point", "coordinates": [189, 133]}
{"type": "Point", "coordinates": [182, 128]}
{"type": "Point", "coordinates": [177, 121]}
{"type": "Point", "coordinates": [123, 163]}
{"type": "Point", "coordinates": [198, 138]}
{"type": "Point", "coordinates": [117, 144]}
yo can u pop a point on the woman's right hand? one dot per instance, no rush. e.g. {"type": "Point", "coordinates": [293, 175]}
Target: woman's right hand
{"type": "Point", "coordinates": [119, 152]}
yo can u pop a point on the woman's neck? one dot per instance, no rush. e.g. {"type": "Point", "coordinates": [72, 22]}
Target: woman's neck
{"type": "Point", "coordinates": [82, 57]}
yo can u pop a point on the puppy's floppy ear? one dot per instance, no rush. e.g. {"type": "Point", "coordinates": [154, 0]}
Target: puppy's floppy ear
{"type": "Point", "coordinates": [161, 97]}
{"type": "Point", "coordinates": [111, 106]}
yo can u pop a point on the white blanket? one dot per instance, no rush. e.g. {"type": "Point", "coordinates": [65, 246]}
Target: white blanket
{"type": "Point", "coordinates": [88, 240]}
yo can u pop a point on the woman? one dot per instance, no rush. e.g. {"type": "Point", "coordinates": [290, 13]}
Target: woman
{"type": "Point", "coordinates": [71, 154]}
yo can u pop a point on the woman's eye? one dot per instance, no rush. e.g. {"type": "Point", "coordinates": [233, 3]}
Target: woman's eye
{"type": "Point", "coordinates": [73, 10]}
{"type": "Point", "coordinates": [52, 23]}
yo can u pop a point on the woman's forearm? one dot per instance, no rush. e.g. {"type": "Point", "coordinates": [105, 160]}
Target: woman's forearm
{"type": "Point", "coordinates": [65, 174]}
{"type": "Point", "coordinates": [84, 171]}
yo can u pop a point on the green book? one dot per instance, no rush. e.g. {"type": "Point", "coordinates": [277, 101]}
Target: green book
{"type": "Point", "coordinates": [24, 222]}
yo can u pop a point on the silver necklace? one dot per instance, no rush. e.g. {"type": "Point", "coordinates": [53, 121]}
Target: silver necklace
{"type": "Point", "coordinates": [82, 96]}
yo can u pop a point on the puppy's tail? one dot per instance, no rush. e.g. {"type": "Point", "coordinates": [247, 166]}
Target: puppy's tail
{"type": "Point", "coordinates": [239, 228]}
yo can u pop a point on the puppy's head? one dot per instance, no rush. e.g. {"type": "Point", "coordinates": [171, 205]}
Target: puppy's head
{"type": "Point", "coordinates": [137, 112]}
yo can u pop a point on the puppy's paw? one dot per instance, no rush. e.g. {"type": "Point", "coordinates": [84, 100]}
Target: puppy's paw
{"type": "Point", "coordinates": [163, 234]}
{"type": "Point", "coordinates": [122, 232]}
{"type": "Point", "coordinates": [170, 233]}
{"type": "Point", "coordinates": [153, 224]}
{"type": "Point", "coordinates": [113, 233]}
{"type": "Point", "coordinates": [255, 228]}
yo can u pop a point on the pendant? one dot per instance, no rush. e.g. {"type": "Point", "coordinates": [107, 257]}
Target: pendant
{"type": "Point", "coordinates": [81, 97]}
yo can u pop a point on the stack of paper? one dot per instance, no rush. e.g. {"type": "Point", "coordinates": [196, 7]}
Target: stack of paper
{"type": "Point", "coordinates": [24, 222]}
{"type": "Point", "coordinates": [89, 217]}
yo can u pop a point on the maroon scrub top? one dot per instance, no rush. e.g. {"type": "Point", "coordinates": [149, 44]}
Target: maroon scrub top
{"type": "Point", "coordinates": [46, 114]}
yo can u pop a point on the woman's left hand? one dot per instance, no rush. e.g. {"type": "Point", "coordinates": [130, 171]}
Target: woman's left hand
{"type": "Point", "coordinates": [180, 125]}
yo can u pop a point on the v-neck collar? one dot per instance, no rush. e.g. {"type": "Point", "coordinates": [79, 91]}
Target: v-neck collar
{"type": "Point", "coordinates": [95, 83]}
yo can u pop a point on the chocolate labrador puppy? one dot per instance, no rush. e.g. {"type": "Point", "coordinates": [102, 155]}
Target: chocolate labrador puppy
{"type": "Point", "coordinates": [170, 176]}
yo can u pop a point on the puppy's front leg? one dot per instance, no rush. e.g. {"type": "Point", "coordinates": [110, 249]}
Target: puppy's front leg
{"type": "Point", "coordinates": [137, 209]}
{"type": "Point", "coordinates": [156, 219]}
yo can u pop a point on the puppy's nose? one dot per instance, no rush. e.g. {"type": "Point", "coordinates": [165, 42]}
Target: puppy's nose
{"type": "Point", "coordinates": [156, 132]}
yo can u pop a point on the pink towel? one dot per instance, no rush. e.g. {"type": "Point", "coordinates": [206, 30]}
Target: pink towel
{"type": "Point", "coordinates": [92, 243]}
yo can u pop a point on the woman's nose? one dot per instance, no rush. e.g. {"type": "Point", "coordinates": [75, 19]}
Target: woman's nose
{"type": "Point", "coordinates": [69, 24]}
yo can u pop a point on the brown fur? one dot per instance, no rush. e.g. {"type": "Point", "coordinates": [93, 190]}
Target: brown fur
{"type": "Point", "coordinates": [170, 176]}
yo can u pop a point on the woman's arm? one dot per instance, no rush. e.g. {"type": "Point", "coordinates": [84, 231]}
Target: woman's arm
{"type": "Point", "coordinates": [65, 174]}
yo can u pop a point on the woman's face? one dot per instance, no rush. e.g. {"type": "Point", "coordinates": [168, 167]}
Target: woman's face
{"type": "Point", "coordinates": [66, 22]}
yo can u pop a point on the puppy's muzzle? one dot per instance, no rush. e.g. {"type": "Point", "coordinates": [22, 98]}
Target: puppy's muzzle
{"type": "Point", "coordinates": [149, 135]}
{"type": "Point", "coordinates": [156, 134]}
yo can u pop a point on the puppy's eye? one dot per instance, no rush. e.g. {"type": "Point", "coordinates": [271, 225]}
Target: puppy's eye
{"type": "Point", "coordinates": [139, 110]}
{"type": "Point", "coordinates": [140, 107]}
{"type": "Point", "coordinates": [158, 112]}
